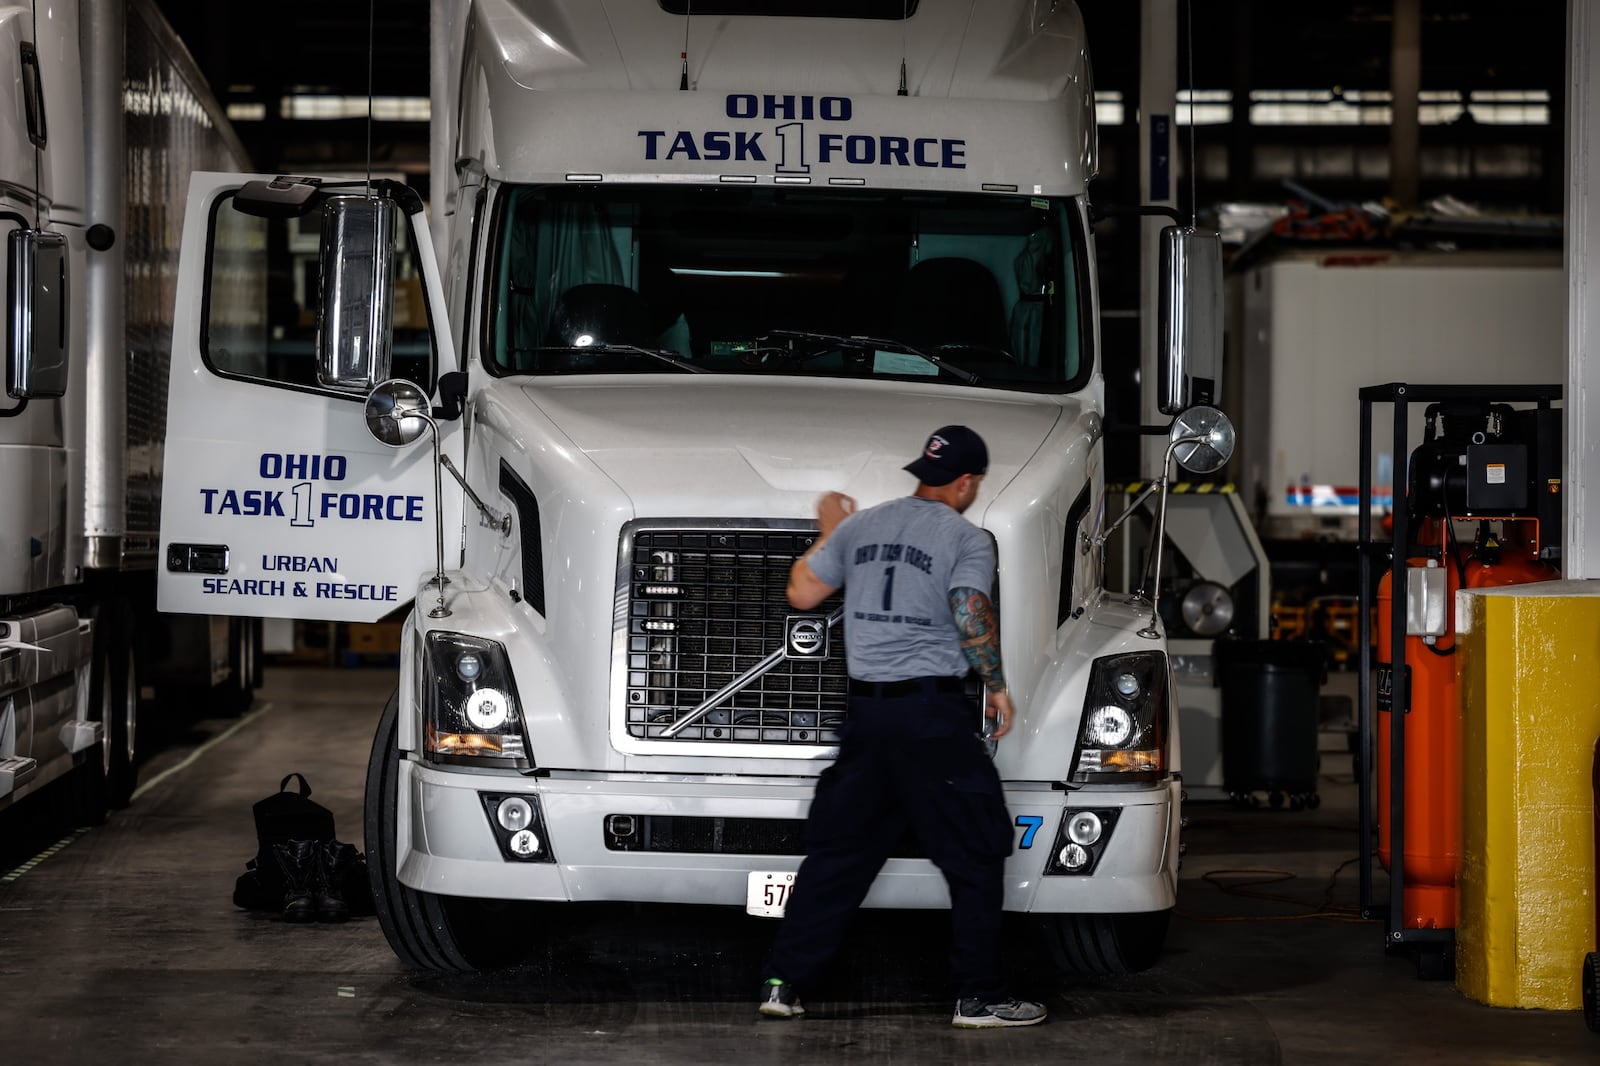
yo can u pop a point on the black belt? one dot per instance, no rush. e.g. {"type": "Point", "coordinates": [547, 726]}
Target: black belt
{"type": "Point", "coordinates": [913, 686]}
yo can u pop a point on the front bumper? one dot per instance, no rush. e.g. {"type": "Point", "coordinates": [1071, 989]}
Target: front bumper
{"type": "Point", "coordinates": [446, 845]}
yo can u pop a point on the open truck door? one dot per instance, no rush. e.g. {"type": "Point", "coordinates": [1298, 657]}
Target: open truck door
{"type": "Point", "coordinates": [296, 297]}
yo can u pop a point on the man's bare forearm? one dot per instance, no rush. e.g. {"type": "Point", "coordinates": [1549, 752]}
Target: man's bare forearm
{"type": "Point", "coordinates": [980, 635]}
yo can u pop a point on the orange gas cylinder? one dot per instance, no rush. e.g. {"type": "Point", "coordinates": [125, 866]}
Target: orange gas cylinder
{"type": "Point", "coordinates": [1433, 728]}
{"type": "Point", "coordinates": [1432, 767]}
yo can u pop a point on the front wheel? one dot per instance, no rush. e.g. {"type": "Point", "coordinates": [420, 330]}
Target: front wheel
{"type": "Point", "coordinates": [444, 934]}
{"type": "Point", "coordinates": [1104, 944]}
{"type": "Point", "coordinates": [1591, 991]}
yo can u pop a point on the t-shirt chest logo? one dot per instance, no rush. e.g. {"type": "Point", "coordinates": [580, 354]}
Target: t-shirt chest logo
{"type": "Point", "coordinates": [805, 636]}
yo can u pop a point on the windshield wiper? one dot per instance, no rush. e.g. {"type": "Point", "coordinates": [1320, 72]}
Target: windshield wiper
{"type": "Point", "coordinates": [839, 341]}
{"type": "Point", "coordinates": [661, 354]}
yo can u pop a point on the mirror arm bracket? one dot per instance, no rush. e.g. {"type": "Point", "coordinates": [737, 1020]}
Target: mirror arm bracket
{"type": "Point", "coordinates": [452, 395]}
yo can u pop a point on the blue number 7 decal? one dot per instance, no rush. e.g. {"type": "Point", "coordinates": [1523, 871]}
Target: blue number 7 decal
{"type": "Point", "coordinates": [1029, 824]}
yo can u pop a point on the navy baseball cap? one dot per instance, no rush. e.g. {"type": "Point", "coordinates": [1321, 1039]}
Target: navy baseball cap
{"type": "Point", "coordinates": [951, 451]}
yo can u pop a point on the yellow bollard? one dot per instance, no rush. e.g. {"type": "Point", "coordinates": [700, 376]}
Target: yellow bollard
{"type": "Point", "coordinates": [1530, 694]}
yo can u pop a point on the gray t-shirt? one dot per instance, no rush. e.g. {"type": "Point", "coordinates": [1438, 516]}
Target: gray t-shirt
{"type": "Point", "coordinates": [898, 562]}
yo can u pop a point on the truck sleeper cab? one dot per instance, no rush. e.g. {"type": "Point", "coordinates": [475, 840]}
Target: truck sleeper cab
{"type": "Point", "coordinates": [604, 695]}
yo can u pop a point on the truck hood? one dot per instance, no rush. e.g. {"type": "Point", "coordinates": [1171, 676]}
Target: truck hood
{"type": "Point", "coordinates": [741, 447]}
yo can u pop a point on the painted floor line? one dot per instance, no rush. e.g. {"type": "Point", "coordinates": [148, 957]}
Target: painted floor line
{"type": "Point", "coordinates": [65, 841]}
{"type": "Point", "coordinates": [201, 750]}
{"type": "Point", "coordinates": [42, 856]}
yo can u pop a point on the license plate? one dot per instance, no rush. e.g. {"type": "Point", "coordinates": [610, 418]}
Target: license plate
{"type": "Point", "coordinates": [767, 892]}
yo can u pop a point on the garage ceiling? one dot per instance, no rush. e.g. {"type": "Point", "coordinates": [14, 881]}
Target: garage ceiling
{"type": "Point", "coordinates": [256, 56]}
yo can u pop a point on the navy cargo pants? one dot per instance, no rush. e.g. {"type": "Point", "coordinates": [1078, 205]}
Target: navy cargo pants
{"type": "Point", "coordinates": [905, 762]}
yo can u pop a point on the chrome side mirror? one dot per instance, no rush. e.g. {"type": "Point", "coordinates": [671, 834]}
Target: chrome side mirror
{"type": "Point", "coordinates": [36, 315]}
{"type": "Point", "coordinates": [1189, 324]}
{"type": "Point", "coordinates": [398, 412]}
{"type": "Point", "coordinates": [355, 327]}
{"type": "Point", "coordinates": [1202, 440]}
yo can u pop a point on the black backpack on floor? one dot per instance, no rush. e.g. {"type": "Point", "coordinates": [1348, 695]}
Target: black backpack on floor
{"type": "Point", "coordinates": [280, 818]}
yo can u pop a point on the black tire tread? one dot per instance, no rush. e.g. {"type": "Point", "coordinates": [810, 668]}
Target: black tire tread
{"type": "Point", "coordinates": [113, 628]}
{"type": "Point", "coordinates": [1103, 945]}
{"type": "Point", "coordinates": [415, 923]}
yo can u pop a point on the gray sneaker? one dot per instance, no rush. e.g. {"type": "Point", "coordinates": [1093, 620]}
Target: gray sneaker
{"type": "Point", "coordinates": [974, 1013]}
{"type": "Point", "coordinates": [780, 1000]}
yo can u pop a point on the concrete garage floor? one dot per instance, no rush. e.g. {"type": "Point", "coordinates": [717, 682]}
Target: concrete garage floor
{"type": "Point", "coordinates": [123, 947]}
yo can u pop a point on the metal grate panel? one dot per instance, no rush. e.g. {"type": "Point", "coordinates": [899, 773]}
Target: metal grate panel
{"type": "Point", "coordinates": [704, 606]}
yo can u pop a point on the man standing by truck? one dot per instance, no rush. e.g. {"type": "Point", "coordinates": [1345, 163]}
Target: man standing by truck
{"type": "Point", "coordinates": [917, 615]}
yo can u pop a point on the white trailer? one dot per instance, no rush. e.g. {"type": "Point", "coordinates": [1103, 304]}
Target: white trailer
{"type": "Point", "coordinates": [677, 302]}
{"type": "Point", "coordinates": [1316, 325]}
{"type": "Point", "coordinates": [103, 115]}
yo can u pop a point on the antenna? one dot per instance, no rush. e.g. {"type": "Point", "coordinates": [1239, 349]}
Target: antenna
{"type": "Point", "coordinates": [905, 15]}
{"type": "Point", "coordinates": [683, 56]}
{"type": "Point", "coordinates": [38, 165]}
{"type": "Point", "coordinates": [370, 22]}
{"type": "Point", "coordinates": [1194, 162]}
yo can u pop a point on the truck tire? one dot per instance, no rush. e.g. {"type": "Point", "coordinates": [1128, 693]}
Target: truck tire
{"type": "Point", "coordinates": [443, 934]}
{"type": "Point", "coordinates": [1591, 991]}
{"type": "Point", "coordinates": [90, 797]}
{"type": "Point", "coordinates": [1105, 944]}
{"type": "Point", "coordinates": [114, 701]}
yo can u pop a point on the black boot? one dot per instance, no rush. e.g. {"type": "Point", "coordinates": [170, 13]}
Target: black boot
{"type": "Point", "coordinates": [333, 861]}
{"type": "Point", "coordinates": [298, 861]}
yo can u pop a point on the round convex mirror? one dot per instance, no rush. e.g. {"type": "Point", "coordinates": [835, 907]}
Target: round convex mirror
{"type": "Point", "coordinates": [1205, 437]}
{"type": "Point", "coordinates": [1207, 609]}
{"type": "Point", "coordinates": [398, 412]}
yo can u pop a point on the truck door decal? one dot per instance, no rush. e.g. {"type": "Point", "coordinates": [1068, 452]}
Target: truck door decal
{"type": "Point", "coordinates": [318, 519]}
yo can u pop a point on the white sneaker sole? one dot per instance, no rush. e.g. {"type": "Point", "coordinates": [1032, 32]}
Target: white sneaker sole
{"type": "Point", "coordinates": [992, 1022]}
{"type": "Point", "coordinates": [780, 1012]}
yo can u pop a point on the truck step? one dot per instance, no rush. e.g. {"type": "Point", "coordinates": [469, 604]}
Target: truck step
{"type": "Point", "coordinates": [15, 771]}
{"type": "Point", "coordinates": [81, 736]}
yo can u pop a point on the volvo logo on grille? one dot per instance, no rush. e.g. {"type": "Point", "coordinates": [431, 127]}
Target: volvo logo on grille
{"type": "Point", "coordinates": [806, 637]}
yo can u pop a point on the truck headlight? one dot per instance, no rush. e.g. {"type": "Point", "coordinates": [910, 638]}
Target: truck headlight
{"type": "Point", "coordinates": [1124, 729]}
{"type": "Point", "coordinates": [471, 705]}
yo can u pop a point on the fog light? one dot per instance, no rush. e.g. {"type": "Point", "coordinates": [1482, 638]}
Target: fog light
{"type": "Point", "coordinates": [1083, 828]}
{"type": "Point", "coordinates": [525, 843]}
{"type": "Point", "coordinates": [1073, 857]}
{"type": "Point", "coordinates": [514, 814]}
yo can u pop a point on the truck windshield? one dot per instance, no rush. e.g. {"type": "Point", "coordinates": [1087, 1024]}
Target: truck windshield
{"type": "Point", "coordinates": [959, 289]}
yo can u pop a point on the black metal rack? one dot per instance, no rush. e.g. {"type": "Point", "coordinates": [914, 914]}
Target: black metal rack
{"type": "Point", "coordinates": [1435, 947]}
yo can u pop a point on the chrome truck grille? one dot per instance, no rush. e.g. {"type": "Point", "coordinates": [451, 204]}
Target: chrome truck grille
{"type": "Point", "coordinates": [705, 608]}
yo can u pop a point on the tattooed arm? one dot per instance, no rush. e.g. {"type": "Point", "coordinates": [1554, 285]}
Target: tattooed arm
{"type": "Point", "coordinates": [980, 640]}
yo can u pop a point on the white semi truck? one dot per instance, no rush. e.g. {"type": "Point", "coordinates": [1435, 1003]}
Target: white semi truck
{"type": "Point", "coordinates": [678, 299]}
{"type": "Point", "coordinates": [103, 115]}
